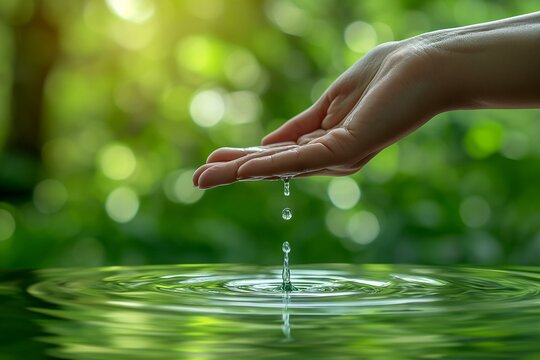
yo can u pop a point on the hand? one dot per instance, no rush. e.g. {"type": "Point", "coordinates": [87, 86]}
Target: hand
{"type": "Point", "coordinates": [381, 98]}
{"type": "Point", "coordinates": [391, 91]}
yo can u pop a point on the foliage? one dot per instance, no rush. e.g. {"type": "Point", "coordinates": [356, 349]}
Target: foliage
{"type": "Point", "coordinates": [141, 91]}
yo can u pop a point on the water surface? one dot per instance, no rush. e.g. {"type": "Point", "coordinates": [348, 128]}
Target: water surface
{"type": "Point", "coordinates": [336, 312]}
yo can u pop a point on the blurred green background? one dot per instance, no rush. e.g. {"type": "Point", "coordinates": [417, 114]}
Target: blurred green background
{"type": "Point", "coordinates": [106, 107]}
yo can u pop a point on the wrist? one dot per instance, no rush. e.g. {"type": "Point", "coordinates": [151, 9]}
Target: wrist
{"type": "Point", "coordinates": [490, 65]}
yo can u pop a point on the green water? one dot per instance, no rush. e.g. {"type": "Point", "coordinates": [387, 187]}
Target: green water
{"type": "Point", "coordinates": [229, 311]}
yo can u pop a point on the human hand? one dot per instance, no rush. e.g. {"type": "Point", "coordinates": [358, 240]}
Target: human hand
{"type": "Point", "coordinates": [385, 95]}
{"type": "Point", "coordinates": [390, 92]}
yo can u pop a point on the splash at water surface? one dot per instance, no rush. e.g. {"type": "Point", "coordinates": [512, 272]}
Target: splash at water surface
{"type": "Point", "coordinates": [286, 272]}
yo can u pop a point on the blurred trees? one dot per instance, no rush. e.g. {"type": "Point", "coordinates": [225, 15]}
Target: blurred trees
{"type": "Point", "coordinates": [121, 100]}
{"type": "Point", "coordinates": [35, 48]}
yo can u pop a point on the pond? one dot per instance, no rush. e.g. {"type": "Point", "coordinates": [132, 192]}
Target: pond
{"type": "Point", "coordinates": [228, 311]}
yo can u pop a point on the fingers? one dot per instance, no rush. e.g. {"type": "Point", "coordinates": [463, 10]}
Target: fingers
{"type": "Point", "coordinates": [301, 124]}
{"type": "Point", "coordinates": [229, 153]}
{"type": "Point", "coordinates": [298, 160]}
{"type": "Point", "coordinates": [197, 174]}
{"type": "Point", "coordinates": [218, 174]}
{"type": "Point", "coordinates": [341, 170]}
{"type": "Point", "coordinates": [339, 109]}
{"type": "Point", "coordinates": [326, 155]}
{"type": "Point", "coordinates": [222, 173]}
{"type": "Point", "coordinates": [304, 139]}
{"type": "Point", "coordinates": [333, 149]}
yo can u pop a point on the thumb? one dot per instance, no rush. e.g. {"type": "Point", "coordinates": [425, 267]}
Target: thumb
{"type": "Point", "coordinates": [303, 123]}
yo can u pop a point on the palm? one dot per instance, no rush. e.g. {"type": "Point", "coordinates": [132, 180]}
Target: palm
{"type": "Point", "coordinates": [338, 134]}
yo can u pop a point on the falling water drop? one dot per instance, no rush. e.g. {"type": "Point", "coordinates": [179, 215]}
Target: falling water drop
{"type": "Point", "coordinates": [286, 188]}
{"type": "Point", "coordinates": [286, 214]}
{"type": "Point", "coordinates": [286, 247]}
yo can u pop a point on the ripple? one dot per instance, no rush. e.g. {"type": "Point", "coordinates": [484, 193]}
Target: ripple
{"type": "Point", "coordinates": [321, 289]}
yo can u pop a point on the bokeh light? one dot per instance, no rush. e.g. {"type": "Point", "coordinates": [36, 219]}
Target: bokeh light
{"type": "Point", "coordinates": [242, 69]}
{"type": "Point", "coordinates": [515, 145]}
{"type": "Point", "coordinates": [242, 107]}
{"type": "Point", "coordinates": [363, 227]}
{"type": "Point", "coordinates": [132, 10]}
{"type": "Point", "coordinates": [475, 211]}
{"type": "Point", "coordinates": [117, 161]}
{"type": "Point", "coordinates": [484, 139]}
{"type": "Point", "coordinates": [7, 224]}
{"type": "Point", "coordinates": [202, 55]}
{"type": "Point", "coordinates": [122, 204]}
{"type": "Point", "coordinates": [207, 108]}
{"type": "Point", "coordinates": [178, 187]}
{"type": "Point", "coordinates": [360, 37]}
{"type": "Point", "coordinates": [50, 196]}
{"type": "Point", "coordinates": [287, 16]}
{"type": "Point", "coordinates": [336, 222]}
{"type": "Point", "coordinates": [344, 192]}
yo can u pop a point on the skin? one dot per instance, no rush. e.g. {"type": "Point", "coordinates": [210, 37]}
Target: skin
{"type": "Point", "coordinates": [393, 90]}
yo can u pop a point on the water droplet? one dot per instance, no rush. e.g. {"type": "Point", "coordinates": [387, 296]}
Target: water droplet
{"type": "Point", "coordinates": [285, 272]}
{"type": "Point", "coordinates": [286, 187]}
{"type": "Point", "coordinates": [286, 214]}
{"type": "Point", "coordinates": [286, 247]}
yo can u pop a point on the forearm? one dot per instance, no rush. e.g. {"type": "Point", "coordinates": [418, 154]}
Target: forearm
{"type": "Point", "coordinates": [490, 65]}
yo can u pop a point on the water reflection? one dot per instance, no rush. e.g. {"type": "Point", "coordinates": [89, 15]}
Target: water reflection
{"type": "Point", "coordinates": [286, 327]}
{"type": "Point", "coordinates": [240, 312]}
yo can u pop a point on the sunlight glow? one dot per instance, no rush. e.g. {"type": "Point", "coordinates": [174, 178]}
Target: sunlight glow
{"type": "Point", "coordinates": [137, 11]}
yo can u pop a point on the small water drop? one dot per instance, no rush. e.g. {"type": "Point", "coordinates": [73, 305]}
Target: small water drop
{"type": "Point", "coordinates": [286, 247]}
{"type": "Point", "coordinates": [286, 214]}
{"type": "Point", "coordinates": [286, 187]}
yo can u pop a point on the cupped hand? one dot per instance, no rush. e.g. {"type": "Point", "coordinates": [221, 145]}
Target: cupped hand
{"type": "Point", "coordinates": [385, 95]}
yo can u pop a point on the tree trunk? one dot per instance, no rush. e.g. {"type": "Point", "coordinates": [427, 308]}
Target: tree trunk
{"type": "Point", "coordinates": [35, 51]}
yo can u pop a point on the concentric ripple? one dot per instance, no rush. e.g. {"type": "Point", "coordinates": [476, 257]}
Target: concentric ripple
{"type": "Point", "coordinates": [321, 289]}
